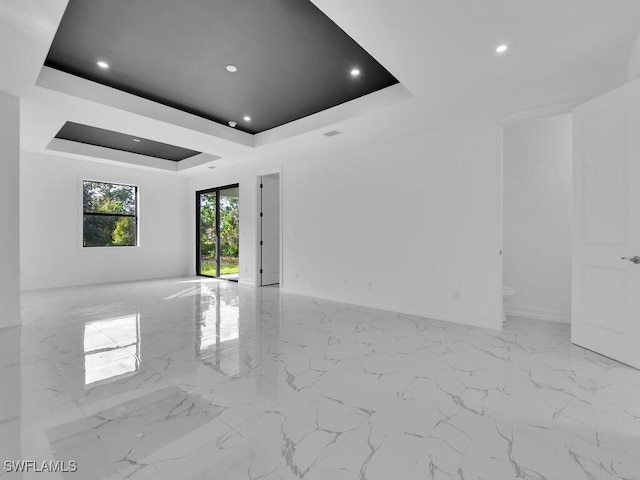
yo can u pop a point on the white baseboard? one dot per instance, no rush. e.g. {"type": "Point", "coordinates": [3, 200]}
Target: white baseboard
{"type": "Point", "coordinates": [462, 319]}
{"type": "Point", "coordinates": [538, 313]}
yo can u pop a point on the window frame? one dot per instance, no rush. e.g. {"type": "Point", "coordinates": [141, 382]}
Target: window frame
{"type": "Point", "coordinates": [84, 214]}
{"type": "Point", "coordinates": [217, 191]}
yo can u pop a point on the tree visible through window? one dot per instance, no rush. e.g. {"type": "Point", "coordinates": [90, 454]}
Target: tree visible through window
{"type": "Point", "coordinates": [110, 214]}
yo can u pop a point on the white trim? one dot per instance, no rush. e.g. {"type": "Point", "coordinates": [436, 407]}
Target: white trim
{"type": "Point", "coordinates": [461, 319]}
{"type": "Point", "coordinates": [538, 313]}
{"type": "Point", "coordinates": [546, 111]}
{"type": "Point", "coordinates": [65, 83]}
{"type": "Point", "coordinates": [327, 119]}
{"type": "Point", "coordinates": [269, 171]}
{"type": "Point", "coordinates": [277, 170]}
{"type": "Point", "coordinates": [195, 161]}
{"type": "Point", "coordinates": [110, 155]}
{"type": "Point", "coordinates": [257, 280]}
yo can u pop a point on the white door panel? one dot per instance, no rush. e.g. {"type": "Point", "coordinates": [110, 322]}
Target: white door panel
{"type": "Point", "coordinates": [604, 173]}
{"type": "Point", "coordinates": [605, 298]}
{"type": "Point", "coordinates": [606, 288]}
{"type": "Point", "coordinates": [270, 247]}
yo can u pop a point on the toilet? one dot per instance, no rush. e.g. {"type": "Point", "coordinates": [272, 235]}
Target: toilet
{"type": "Point", "coordinates": [506, 292]}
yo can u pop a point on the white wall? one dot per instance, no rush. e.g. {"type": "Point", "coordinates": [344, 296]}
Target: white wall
{"type": "Point", "coordinates": [633, 64]}
{"type": "Point", "coordinates": [9, 210]}
{"type": "Point", "coordinates": [537, 217]}
{"type": "Point", "coordinates": [51, 225]}
{"type": "Point", "coordinates": [401, 225]}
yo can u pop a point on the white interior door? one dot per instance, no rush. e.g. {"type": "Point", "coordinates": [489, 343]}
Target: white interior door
{"type": "Point", "coordinates": [270, 246]}
{"type": "Point", "coordinates": [606, 193]}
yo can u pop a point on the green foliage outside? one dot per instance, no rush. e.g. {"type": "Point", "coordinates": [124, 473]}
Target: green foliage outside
{"type": "Point", "coordinates": [229, 234]}
{"type": "Point", "coordinates": [118, 200]}
{"type": "Point", "coordinates": [124, 232]}
{"type": "Point", "coordinates": [207, 226]}
{"type": "Point", "coordinates": [229, 227]}
{"type": "Point", "coordinates": [209, 268]}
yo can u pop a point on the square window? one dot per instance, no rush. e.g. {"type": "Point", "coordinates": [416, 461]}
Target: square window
{"type": "Point", "coordinates": [110, 214]}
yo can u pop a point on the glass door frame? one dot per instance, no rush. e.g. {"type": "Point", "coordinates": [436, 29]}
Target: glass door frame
{"type": "Point", "coordinates": [217, 191]}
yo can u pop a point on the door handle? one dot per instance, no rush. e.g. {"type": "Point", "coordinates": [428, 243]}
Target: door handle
{"type": "Point", "coordinates": [635, 259]}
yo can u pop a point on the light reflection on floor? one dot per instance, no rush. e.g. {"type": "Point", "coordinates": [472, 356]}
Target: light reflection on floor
{"type": "Point", "coordinates": [202, 378]}
{"type": "Point", "coordinates": [218, 331]}
{"type": "Point", "coordinates": [111, 348]}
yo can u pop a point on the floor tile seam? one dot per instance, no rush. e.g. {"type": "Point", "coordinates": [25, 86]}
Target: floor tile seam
{"type": "Point", "coordinates": [80, 407]}
{"type": "Point", "coordinates": [34, 331]}
{"type": "Point", "coordinates": [192, 397]}
{"type": "Point", "coordinates": [171, 461]}
{"type": "Point", "coordinates": [489, 419]}
{"type": "Point", "coordinates": [21, 365]}
{"type": "Point", "coordinates": [83, 368]}
{"type": "Point", "coordinates": [599, 448]}
{"type": "Point", "coordinates": [138, 339]}
{"type": "Point", "coordinates": [59, 374]}
{"type": "Point", "coordinates": [329, 449]}
{"type": "Point", "coordinates": [369, 422]}
{"type": "Point", "coordinates": [333, 446]}
{"type": "Point", "coordinates": [273, 408]}
{"type": "Point", "coordinates": [163, 376]}
{"type": "Point", "coordinates": [90, 428]}
{"type": "Point", "coordinates": [485, 417]}
{"type": "Point", "coordinates": [366, 419]}
{"type": "Point", "coordinates": [465, 457]}
{"type": "Point", "coordinates": [118, 470]}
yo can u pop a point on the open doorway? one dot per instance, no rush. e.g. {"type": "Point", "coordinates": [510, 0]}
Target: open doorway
{"type": "Point", "coordinates": [269, 198]}
{"type": "Point", "coordinates": [218, 232]}
{"type": "Point", "coordinates": [537, 218]}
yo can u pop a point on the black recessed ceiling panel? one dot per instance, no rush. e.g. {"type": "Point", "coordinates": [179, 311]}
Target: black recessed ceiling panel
{"type": "Point", "coordinates": [100, 137]}
{"type": "Point", "coordinates": [292, 60]}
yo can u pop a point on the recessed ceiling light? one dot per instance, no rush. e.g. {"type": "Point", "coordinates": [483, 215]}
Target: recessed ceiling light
{"type": "Point", "coordinates": [232, 124]}
{"type": "Point", "coordinates": [102, 64]}
{"type": "Point", "coordinates": [211, 167]}
{"type": "Point", "coordinates": [502, 48]}
{"type": "Point", "coordinates": [247, 118]}
{"type": "Point", "coordinates": [137, 140]}
{"type": "Point", "coordinates": [355, 72]}
{"type": "Point", "coordinates": [231, 68]}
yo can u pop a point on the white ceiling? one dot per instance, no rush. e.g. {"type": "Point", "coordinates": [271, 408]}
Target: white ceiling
{"type": "Point", "coordinates": [27, 28]}
{"type": "Point", "coordinates": [561, 52]}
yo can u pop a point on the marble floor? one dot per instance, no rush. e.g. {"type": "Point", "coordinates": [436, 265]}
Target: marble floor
{"type": "Point", "coordinates": [204, 379]}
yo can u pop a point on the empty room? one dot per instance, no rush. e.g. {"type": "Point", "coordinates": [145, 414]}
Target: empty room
{"type": "Point", "coordinates": [320, 239]}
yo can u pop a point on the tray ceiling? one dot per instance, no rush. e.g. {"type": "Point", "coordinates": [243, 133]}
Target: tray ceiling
{"type": "Point", "coordinates": [100, 137]}
{"type": "Point", "coordinates": [292, 60]}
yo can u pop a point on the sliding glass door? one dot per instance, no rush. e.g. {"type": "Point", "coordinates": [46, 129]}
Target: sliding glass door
{"type": "Point", "coordinates": [229, 215]}
{"type": "Point", "coordinates": [218, 232]}
{"type": "Point", "coordinates": [208, 234]}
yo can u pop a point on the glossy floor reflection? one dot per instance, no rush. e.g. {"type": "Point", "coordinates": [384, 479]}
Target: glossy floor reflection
{"type": "Point", "coordinates": [205, 379]}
